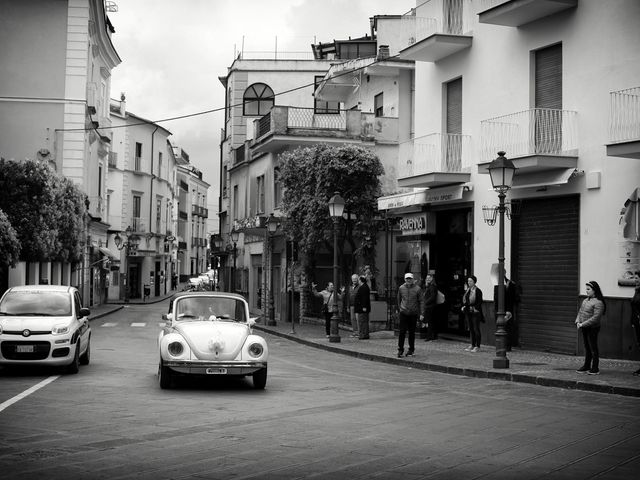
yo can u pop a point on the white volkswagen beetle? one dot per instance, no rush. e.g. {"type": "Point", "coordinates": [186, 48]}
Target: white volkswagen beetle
{"type": "Point", "coordinates": [209, 333]}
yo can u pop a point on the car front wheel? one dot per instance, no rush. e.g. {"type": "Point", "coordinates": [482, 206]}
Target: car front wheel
{"type": "Point", "coordinates": [74, 366]}
{"type": "Point", "coordinates": [260, 379]}
{"type": "Point", "coordinates": [164, 376]}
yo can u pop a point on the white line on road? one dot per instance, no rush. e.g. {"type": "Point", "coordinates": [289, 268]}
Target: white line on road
{"type": "Point", "coordinates": [138, 324]}
{"type": "Point", "coordinates": [28, 392]}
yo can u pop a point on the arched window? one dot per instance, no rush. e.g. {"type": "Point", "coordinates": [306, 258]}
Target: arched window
{"type": "Point", "coordinates": [258, 99]}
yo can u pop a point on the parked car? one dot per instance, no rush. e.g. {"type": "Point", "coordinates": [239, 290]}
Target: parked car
{"type": "Point", "coordinates": [194, 284]}
{"type": "Point", "coordinates": [210, 334]}
{"type": "Point", "coordinates": [44, 324]}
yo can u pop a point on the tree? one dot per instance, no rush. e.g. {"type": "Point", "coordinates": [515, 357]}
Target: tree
{"type": "Point", "coordinates": [45, 209]}
{"type": "Point", "coordinates": [9, 244]}
{"type": "Point", "coordinates": [310, 176]}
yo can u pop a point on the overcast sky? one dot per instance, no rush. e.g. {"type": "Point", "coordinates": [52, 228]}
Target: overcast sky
{"type": "Point", "coordinates": [173, 52]}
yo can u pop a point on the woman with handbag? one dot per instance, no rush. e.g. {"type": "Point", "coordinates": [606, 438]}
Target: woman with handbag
{"type": "Point", "coordinates": [472, 309]}
{"type": "Point", "coordinates": [588, 322]}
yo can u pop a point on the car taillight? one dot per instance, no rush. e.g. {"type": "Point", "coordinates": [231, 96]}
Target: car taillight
{"type": "Point", "coordinates": [255, 349]}
{"type": "Point", "coordinates": [175, 348]}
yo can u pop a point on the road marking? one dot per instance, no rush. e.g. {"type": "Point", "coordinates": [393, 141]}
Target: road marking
{"type": "Point", "coordinates": [109, 324]}
{"type": "Point", "coordinates": [28, 392]}
{"type": "Point", "coordinates": [139, 324]}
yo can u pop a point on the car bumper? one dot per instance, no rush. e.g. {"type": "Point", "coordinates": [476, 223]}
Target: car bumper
{"type": "Point", "coordinates": [41, 350]}
{"type": "Point", "coordinates": [214, 368]}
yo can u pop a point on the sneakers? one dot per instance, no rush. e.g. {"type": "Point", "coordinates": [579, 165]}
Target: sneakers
{"type": "Point", "coordinates": [400, 353]}
{"type": "Point", "coordinates": [475, 349]}
{"type": "Point", "coordinates": [469, 348]}
{"type": "Point", "coordinates": [582, 370]}
{"type": "Point", "coordinates": [594, 371]}
{"type": "Point", "coordinates": [410, 353]}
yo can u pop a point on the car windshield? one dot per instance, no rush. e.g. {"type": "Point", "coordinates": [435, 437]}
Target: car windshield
{"type": "Point", "coordinates": [202, 308]}
{"type": "Point", "coordinates": [36, 303]}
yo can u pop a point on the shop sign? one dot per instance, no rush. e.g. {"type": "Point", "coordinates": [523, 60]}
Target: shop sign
{"type": "Point", "coordinates": [414, 225]}
{"type": "Point", "coordinates": [423, 197]}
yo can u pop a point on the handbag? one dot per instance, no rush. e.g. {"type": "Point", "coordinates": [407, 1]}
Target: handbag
{"type": "Point", "coordinates": [440, 299]}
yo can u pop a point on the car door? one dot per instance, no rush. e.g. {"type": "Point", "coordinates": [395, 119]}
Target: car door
{"type": "Point", "coordinates": [83, 323]}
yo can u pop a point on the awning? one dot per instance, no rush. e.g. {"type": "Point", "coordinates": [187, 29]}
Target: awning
{"type": "Point", "coordinates": [108, 253]}
{"type": "Point", "coordinates": [421, 197]}
{"type": "Point", "coordinates": [545, 178]}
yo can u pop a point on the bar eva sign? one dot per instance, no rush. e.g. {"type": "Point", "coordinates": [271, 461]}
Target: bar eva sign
{"type": "Point", "coordinates": [413, 225]}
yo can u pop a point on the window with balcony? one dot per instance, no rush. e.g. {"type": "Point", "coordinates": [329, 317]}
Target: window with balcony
{"type": "Point", "coordinates": [235, 203]}
{"type": "Point", "coordinates": [277, 187]}
{"type": "Point", "coordinates": [260, 194]}
{"type": "Point", "coordinates": [548, 96]}
{"type": "Point", "coordinates": [452, 143]}
{"type": "Point", "coordinates": [257, 100]}
{"type": "Point", "coordinates": [158, 214]}
{"type": "Point", "coordinates": [159, 164]}
{"type": "Point", "coordinates": [378, 104]}
{"type": "Point", "coordinates": [322, 106]}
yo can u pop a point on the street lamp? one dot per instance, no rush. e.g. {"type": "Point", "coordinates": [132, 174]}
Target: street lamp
{"type": "Point", "coordinates": [336, 208]}
{"type": "Point", "coordinates": [130, 246]}
{"type": "Point", "coordinates": [501, 171]}
{"type": "Point", "coordinates": [235, 235]}
{"type": "Point", "coordinates": [272, 226]}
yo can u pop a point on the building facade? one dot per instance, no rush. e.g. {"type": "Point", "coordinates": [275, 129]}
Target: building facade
{"type": "Point", "coordinates": [560, 97]}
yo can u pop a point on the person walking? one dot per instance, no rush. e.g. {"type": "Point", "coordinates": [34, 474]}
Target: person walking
{"type": "Point", "coordinates": [351, 298]}
{"type": "Point", "coordinates": [327, 303]}
{"type": "Point", "coordinates": [635, 315]}
{"type": "Point", "coordinates": [410, 305]}
{"type": "Point", "coordinates": [430, 301]}
{"type": "Point", "coordinates": [472, 308]}
{"type": "Point", "coordinates": [363, 307]}
{"type": "Point", "coordinates": [588, 322]}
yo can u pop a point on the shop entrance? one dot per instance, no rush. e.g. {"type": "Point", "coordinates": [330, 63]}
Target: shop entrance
{"type": "Point", "coordinates": [451, 251]}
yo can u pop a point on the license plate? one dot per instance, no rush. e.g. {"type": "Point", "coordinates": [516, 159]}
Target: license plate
{"type": "Point", "coordinates": [216, 371]}
{"type": "Point", "coordinates": [24, 348]}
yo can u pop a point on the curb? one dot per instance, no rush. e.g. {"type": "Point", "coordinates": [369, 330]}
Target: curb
{"type": "Point", "coordinates": [466, 372]}
{"type": "Point", "coordinates": [104, 314]}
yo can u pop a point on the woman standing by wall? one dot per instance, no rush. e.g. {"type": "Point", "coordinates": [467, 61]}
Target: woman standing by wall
{"type": "Point", "coordinates": [472, 308]}
{"type": "Point", "coordinates": [588, 322]}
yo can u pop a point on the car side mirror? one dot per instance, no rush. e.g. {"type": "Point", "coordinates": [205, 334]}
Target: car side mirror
{"type": "Point", "coordinates": [84, 312]}
{"type": "Point", "coordinates": [253, 320]}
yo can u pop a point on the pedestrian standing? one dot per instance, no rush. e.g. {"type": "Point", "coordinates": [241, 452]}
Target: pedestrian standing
{"type": "Point", "coordinates": [351, 298]}
{"type": "Point", "coordinates": [512, 292]}
{"type": "Point", "coordinates": [410, 306]}
{"type": "Point", "coordinates": [635, 315]}
{"type": "Point", "coordinates": [588, 322]}
{"type": "Point", "coordinates": [472, 308]}
{"type": "Point", "coordinates": [363, 307]}
{"type": "Point", "coordinates": [430, 302]}
{"type": "Point", "coordinates": [327, 303]}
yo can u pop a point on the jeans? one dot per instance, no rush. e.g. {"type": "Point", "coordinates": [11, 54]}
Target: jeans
{"type": "Point", "coordinates": [354, 320]}
{"type": "Point", "coordinates": [591, 354]}
{"type": "Point", "coordinates": [407, 323]}
{"type": "Point", "coordinates": [473, 319]}
{"type": "Point", "coordinates": [327, 321]}
{"type": "Point", "coordinates": [363, 325]}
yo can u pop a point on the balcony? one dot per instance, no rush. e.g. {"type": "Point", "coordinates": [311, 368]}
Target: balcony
{"type": "Point", "coordinates": [442, 30]}
{"type": "Point", "coordinates": [92, 97]}
{"type": "Point", "coordinates": [293, 127]}
{"type": "Point", "coordinates": [96, 207]}
{"type": "Point", "coordinates": [113, 160]}
{"type": "Point", "coordinates": [515, 13]}
{"type": "Point", "coordinates": [138, 225]}
{"type": "Point", "coordinates": [195, 210]}
{"type": "Point", "coordinates": [435, 160]}
{"type": "Point", "coordinates": [624, 123]}
{"type": "Point", "coordinates": [239, 155]}
{"type": "Point", "coordinates": [541, 142]}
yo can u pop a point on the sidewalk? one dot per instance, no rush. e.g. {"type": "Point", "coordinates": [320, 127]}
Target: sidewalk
{"type": "Point", "coordinates": [448, 356]}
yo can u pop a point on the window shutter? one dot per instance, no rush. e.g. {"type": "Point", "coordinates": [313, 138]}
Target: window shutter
{"type": "Point", "coordinates": [548, 77]}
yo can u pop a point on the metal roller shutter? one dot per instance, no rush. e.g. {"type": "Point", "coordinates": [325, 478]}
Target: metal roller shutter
{"type": "Point", "coordinates": [546, 254]}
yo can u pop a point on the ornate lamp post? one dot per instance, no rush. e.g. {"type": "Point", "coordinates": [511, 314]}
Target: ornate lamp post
{"type": "Point", "coordinates": [235, 235]}
{"type": "Point", "coordinates": [501, 171]}
{"type": "Point", "coordinates": [272, 226]}
{"type": "Point", "coordinates": [130, 246]}
{"type": "Point", "coordinates": [336, 208]}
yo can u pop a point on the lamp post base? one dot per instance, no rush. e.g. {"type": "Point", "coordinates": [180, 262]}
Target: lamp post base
{"type": "Point", "coordinates": [334, 332]}
{"type": "Point", "coordinates": [501, 362]}
{"type": "Point", "coordinates": [334, 338]}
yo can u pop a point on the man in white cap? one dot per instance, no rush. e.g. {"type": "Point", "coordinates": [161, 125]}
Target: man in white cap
{"type": "Point", "coordinates": [410, 306]}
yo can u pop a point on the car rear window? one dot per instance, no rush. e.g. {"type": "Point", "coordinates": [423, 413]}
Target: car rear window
{"type": "Point", "coordinates": [36, 303]}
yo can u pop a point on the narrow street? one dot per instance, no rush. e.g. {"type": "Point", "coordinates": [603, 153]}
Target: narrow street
{"type": "Point", "coordinates": [322, 415]}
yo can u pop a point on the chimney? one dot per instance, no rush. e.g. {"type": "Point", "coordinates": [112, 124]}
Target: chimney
{"type": "Point", "coordinates": [383, 52]}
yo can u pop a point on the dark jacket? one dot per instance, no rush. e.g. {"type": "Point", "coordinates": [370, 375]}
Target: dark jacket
{"type": "Point", "coordinates": [474, 307]}
{"type": "Point", "coordinates": [410, 299]}
{"type": "Point", "coordinates": [362, 302]}
{"type": "Point", "coordinates": [511, 296]}
{"type": "Point", "coordinates": [430, 297]}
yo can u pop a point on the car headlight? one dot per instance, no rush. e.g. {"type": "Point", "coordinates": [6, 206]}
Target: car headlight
{"type": "Point", "coordinates": [175, 349]}
{"type": "Point", "coordinates": [255, 349]}
{"type": "Point", "coordinates": [60, 329]}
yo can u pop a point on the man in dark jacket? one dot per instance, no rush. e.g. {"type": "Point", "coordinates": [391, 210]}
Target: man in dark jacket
{"type": "Point", "coordinates": [410, 305]}
{"type": "Point", "coordinates": [362, 307]}
{"type": "Point", "coordinates": [430, 299]}
{"type": "Point", "coordinates": [512, 293]}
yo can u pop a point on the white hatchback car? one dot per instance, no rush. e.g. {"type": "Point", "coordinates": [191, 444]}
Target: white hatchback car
{"type": "Point", "coordinates": [44, 325]}
{"type": "Point", "coordinates": [210, 334]}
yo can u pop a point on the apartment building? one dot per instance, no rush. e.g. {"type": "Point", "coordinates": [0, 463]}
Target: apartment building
{"type": "Point", "coordinates": [57, 59]}
{"type": "Point", "coordinates": [554, 84]}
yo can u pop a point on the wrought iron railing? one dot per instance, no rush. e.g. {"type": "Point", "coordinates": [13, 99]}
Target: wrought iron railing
{"type": "Point", "coordinates": [264, 125]}
{"type": "Point", "coordinates": [438, 152]}
{"type": "Point", "coordinates": [539, 131]}
{"type": "Point", "coordinates": [138, 225]}
{"type": "Point", "coordinates": [449, 17]}
{"type": "Point", "coordinates": [307, 118]}
{"type": "Point", "coordinates": [239, 155]}
{"type": "Point", "coordinates": [624, 124]}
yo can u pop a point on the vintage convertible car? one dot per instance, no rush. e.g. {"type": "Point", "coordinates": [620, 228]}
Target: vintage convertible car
{"type": "Point", "coordinates": [209, 333]}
